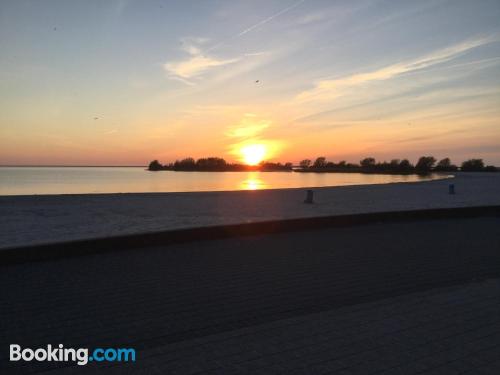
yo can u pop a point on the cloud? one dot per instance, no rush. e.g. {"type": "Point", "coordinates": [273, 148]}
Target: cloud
{"type": "Point", "coordinates": [185, 81]}
{"type": "Point", "coordinates": [433, 89]}
{"type": "Point", "coordinates": [255, 53]}
{"type": "Point", "coordinates": [192, 50]}
{"type": "Point", "coordinates": [312, 18]}
{"type": "Point", "coordinates": [200, 62]}
{"type": "Point", "coordinates": [196, 64]}
{"type": "Point", "coordinates": [248, 127]}
{"type": "Point", "coordinates": [328, 89]}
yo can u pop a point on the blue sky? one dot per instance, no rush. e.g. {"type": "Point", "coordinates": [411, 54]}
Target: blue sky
{"type": "Point", "coordinates": [123, 82]}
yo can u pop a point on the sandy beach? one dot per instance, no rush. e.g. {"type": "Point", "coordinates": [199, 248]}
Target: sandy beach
{"type": "Point", "coordinates": [27, 220]}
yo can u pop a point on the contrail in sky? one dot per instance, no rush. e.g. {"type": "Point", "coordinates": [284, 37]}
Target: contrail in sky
{"type": "Point", "coordinates": [260, 23]}
{"type": "Point", "coordinates": [269, 18]}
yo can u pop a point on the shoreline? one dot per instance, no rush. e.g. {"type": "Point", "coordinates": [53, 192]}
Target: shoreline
{"type": "Point", "coordinates": [437, 176]}
{"type": "Point", "coordinates": [35, 219]}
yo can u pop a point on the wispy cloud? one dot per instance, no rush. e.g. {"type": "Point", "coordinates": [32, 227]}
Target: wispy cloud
{"type": "Point", "coordinates": [312, 18]}
{"type": "Point", "coordinates": [255, 53]}
{"type": "Point", "coordinates": [433, 89]}
{"type": "Point", "coordinates": [248, 127]}
{"type": "Point", "coordinates": [199, 62]}
{"type": "Point", "coordinates": [196, 64]}
{"type": "Point", "coordinates": [428, 137]}
{"type": "Point", "coordinates": [328, 89]}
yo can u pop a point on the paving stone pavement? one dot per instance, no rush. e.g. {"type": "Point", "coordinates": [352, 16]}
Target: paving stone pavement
{"type": "Point", "coordinates": [393, 298]}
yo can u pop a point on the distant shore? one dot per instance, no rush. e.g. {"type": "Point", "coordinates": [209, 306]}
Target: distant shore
{"type": "Point", "coordinates": [425, 165]}
{"type": "Point", "coordinates": [214, 164]}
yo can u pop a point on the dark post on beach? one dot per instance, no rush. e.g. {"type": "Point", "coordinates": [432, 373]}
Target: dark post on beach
{"type": "Point", "coordinates": [309, 196]}
{"type": "Point", "coordinates": [451, 189]}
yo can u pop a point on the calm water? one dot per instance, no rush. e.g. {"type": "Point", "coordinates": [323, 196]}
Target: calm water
{"type": "Point", "coordinates": [76, 180]}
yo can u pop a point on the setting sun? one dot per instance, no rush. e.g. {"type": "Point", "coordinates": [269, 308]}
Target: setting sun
{"type": "Point", "coordinates": [253, 154]}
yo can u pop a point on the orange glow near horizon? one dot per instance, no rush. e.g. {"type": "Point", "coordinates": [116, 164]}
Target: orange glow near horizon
{"type": "Point", "coordinates": [253, 154]}
{"type": "Point", "coordinates": [247, 82]}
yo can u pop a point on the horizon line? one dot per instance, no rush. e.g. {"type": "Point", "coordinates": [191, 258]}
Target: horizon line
{"type": "Point", "coordinates": [67, 166]}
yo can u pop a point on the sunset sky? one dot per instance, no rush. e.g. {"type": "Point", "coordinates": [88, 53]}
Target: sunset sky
{"type": "Point", "coordinates": [125, 82]}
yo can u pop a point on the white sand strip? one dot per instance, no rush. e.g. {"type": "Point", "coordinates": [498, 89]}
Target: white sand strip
{"type": "Point", "coordinates": [39, 219]}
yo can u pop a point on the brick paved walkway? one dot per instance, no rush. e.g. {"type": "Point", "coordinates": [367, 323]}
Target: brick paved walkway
{"type": "Point", "coordinates": [406, 298]}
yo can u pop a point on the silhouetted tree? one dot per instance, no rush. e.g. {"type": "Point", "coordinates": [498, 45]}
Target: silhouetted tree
{"type": "Point", "coordinates": [306, 163]}
{"type": "Point", "coordinates": [368, 165]}
{"type": "Point", "coordinates": [320, 162]}
{"type": "Point", "coordinates": [268, 166]}
{"type": "Point", "coordinates": [394, 164]}
{"type": "Point", "coordinates": [473, 165]}
{"type": "Point", "coordinates": [185, 164]}
{"type": "Point", "coordinates": [405, 165]}
{"type": "Point", "coordinates": [187, 161]}
{"type": "Point", "coordinates": [367, 162]}
{"type": "Point", "coordinates": [155, 166]}
{"type": "Point", "coordinates": [445, 165]}
{"type": "Point", "coordinates": [425, 163]}
{"type": "Point", "coordinates": [211, 163]}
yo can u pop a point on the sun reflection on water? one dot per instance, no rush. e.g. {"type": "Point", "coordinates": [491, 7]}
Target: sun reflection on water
{"type": "Point", "coordinates": [253, 182]}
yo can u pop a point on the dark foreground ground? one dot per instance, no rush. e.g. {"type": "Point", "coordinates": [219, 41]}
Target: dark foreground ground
{"type": "Point", "coordinates": [393, 298]}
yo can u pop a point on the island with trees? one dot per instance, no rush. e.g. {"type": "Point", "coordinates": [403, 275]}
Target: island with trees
{"type": "Point", "coordinates": [215, 164]}
{"type": "Point", "coordinates": [424, 165]}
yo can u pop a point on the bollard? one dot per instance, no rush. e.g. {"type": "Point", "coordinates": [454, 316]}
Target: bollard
{"type": "Point", "coordinates": [309, 196]}
{"type": "Point", "coordinates": [451, 189]}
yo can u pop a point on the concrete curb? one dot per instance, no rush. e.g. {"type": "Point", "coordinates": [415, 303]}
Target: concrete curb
{"type": "Point", "coordinates": [119, 243]}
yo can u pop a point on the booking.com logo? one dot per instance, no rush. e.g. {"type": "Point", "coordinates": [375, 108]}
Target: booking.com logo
{"type": "Point", "coordinates": [80, 356]}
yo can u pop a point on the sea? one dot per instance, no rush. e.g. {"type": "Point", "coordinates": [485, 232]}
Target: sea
{"type": "Point", "coordinates": [100, 180]}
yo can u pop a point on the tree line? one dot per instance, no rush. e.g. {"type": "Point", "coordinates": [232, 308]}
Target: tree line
{"type": "Point", "coordinates": [215, 164]}
{"type": "Point", "coordinates": [425, 164]}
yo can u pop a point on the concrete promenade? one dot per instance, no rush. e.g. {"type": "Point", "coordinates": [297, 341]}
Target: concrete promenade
{"type": "Point", "coordinates": [395, 298]}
